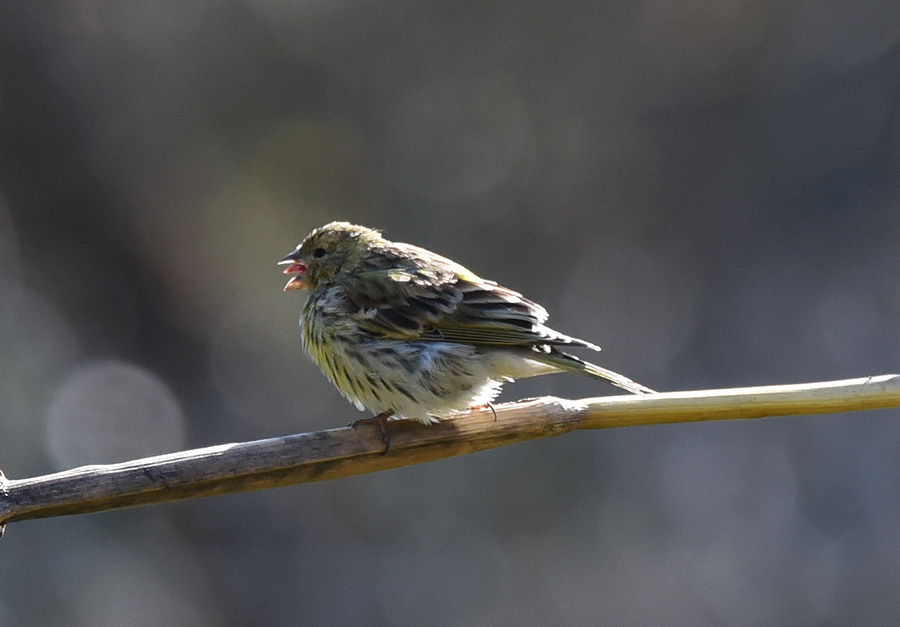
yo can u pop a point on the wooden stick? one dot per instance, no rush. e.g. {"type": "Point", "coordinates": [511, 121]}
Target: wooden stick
{"type": "Point", "coordinates": [345, 452]}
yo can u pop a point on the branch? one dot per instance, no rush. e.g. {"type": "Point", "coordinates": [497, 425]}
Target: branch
{"type": "Point", "coordinates": [345, 452]}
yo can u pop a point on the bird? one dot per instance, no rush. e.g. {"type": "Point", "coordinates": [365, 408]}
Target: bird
{"type": "Point", "coordinates": [408, 334]}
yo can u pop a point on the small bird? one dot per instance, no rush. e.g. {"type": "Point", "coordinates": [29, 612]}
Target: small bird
{"type": "Point", "coordinates": [406, 333]}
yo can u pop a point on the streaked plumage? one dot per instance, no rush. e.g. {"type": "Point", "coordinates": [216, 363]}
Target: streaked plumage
{"type": "Point", "coordinates": [399, 329]}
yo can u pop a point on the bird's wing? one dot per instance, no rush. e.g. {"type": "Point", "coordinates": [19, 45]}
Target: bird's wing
{"type": "Point", "coordinates": [438, 304]}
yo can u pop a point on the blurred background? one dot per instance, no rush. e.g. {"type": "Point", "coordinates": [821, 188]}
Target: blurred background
{"type": "Point", "coordinates": [709, 190]}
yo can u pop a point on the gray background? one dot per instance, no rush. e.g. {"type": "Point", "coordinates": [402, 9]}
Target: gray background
{"type": "Point", "coordinates": [709, 190]}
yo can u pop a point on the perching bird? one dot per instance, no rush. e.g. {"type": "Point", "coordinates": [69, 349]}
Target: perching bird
{"type": "Point", "coordinates": [406, 333]}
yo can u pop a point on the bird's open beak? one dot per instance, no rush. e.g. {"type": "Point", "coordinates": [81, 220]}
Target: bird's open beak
{"type": "Point", "coordinates": [294, 266]}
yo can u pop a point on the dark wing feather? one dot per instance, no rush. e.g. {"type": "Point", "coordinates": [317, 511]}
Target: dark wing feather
{"type": "Point", "coordinates": [494, 315]}
{"type": "Point", "coordinates": [400, 304]}
{"type": "Point", "coordinates": [434, 303]}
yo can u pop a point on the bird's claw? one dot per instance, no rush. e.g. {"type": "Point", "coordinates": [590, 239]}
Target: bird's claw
{"type": "Point", "coordinates": [485, 406]}
{"type": "Point", "coordinates": [381, 422]}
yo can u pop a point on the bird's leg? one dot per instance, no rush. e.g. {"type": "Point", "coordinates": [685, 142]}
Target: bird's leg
{"type": "Point", "coordinates": [381, 422]}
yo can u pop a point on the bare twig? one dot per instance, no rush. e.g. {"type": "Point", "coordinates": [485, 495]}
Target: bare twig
{"type": "Point", "coordinates": [346, 452]}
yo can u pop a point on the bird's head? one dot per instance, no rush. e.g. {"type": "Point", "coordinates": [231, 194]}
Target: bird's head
{"type": "Point", "coordinates": [325, 252]}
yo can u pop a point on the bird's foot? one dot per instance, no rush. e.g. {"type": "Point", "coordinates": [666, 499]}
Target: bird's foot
{"type": "Point", "coordinates": [485, 406]}
{"type": "Point", "coordinates": [381, 422]}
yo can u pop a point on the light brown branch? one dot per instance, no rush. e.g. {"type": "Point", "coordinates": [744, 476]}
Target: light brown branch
{"type": "Point", "coordinates": [346, 452]}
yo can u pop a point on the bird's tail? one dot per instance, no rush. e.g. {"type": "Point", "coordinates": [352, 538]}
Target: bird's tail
{"type": "Point", "coordinates": [565, 361]}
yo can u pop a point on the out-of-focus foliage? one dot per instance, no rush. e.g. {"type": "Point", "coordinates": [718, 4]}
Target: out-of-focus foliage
{"type": "Point", "coordinates": [709, 190]}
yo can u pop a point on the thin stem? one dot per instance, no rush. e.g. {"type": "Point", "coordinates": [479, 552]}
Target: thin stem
{"type": "Point", "coordinates": [345, 452]}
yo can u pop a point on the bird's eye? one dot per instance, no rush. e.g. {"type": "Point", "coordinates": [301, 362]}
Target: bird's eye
{"type": "Point", "coordinates": [319, 252]}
